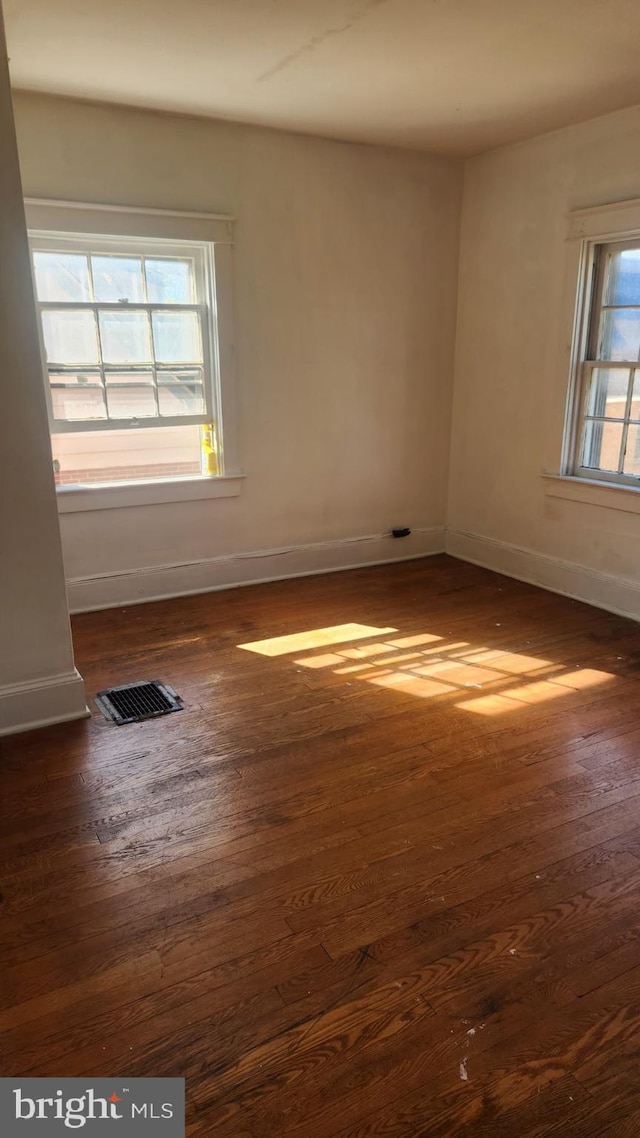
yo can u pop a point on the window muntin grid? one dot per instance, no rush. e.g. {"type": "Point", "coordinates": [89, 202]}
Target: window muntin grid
{"type": "Point", "coordinates": [608, 441]}
{"type": "Point", "coordinates": [127, 328]}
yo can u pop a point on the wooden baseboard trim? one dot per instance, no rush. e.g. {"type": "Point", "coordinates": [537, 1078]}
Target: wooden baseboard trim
{"type": "Point", "coordinates": [618, 595]}
{"type": "Point", "coordinates": [161, 582]}
{"type": "Point", "coordinates": [42, 702]}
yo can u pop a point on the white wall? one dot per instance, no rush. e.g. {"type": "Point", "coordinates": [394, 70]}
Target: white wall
{"type": "Point", "coordinates": [507, 405]}
{"type": "Point", "coordinates": [38, 681]}
{"type": "Point", "coordinates": [345, 279]}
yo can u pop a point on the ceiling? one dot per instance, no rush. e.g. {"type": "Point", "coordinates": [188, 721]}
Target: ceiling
{"type": "Point", "coordinates": [450, 76]}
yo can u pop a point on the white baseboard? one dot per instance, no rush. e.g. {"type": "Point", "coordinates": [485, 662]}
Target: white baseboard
{"type": "Point", "coordinates": [160, 582]}
{"type": "Point", "coordinates": [619, 595]}
{"type": "Point", "coordinates": [39, 703]}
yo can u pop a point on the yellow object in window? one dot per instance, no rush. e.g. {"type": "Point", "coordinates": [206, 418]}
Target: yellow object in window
{"type": "Point", "coordinates": [209, 449]}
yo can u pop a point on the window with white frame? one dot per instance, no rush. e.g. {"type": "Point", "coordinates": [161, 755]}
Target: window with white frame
{"type": "Point", "coordinates": [602, 426]}
{"type": "Point", "coordinates": [130, 321]}
{"type": "Point", "coordinates": [608, 437]}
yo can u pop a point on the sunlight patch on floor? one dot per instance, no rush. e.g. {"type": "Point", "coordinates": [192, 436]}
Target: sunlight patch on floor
{"type": "Point", "coordinates": [584, 678]}
{"type": "Point", "coordinates": [414, 641]}
{"type": "Point", "coordinates": [513, 698]}
{"type": "Point", "coordinates": [423, 664]}
{"type": "Point", "coordinates": [510, 662]}
{"type": "Point", "coordinates": [316, 638]}
{"type": "Point", "coordinates": [322, 661]}
{"type": "Point", "coordinates": [412, 685]}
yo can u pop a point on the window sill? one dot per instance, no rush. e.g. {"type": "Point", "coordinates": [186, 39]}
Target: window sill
{"type": "Point", "coordinates": [611, 495]}
{"type": "Point", "coordinates": [84, 499]}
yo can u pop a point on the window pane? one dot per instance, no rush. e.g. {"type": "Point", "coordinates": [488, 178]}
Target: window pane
{"type": "Point", "coordinates": [623, 278]}
{"type": "Point", "coordinates": [608, 392]}
{"type": "Point", "coordinates": [632, 451]}
{"type": "Point", "coordinates": [634, 410]}
{"type": "Point", "coordinates": [127, 456]}
{"type": "Point", "coordinates": [602, 444]}
{"type": "Point", "coordinates": [70, 336]}
{"type": "Point", "coordinates": [620, 334]}
{"type": "Point", "coordinates": [176, 337]}
{"type": "Point", "coordinates": [117, 278]}
{"type": "Point", "coordinates": [62, 276]}
{"type": "Point", "coordinates": [169, 281]}
{"type": "Point", "coordinates": [181, 392]}
{"type": "Point", "coordinates": [125, 337]}
{"type": "Point", "coordinates": [131, 395]}
{"type": "Point", "coordinates": [77, 396]}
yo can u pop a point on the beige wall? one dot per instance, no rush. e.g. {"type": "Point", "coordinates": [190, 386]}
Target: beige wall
{"type": "Point", "coordinates": [37, 677]}
{"type": "Point", "coordinates": [345, 281]}
{"type": "Point", "coordinates": [508, 391]}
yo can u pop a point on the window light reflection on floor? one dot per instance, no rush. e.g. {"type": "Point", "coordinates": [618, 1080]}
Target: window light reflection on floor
{"type": "Point", "coordinates": [315, 638]}
{"type": "Point", "coordinates": [425, 665]}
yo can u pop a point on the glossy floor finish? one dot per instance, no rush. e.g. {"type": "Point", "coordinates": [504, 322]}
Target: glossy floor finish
{"type": "Point", "coordinates": [380, 877]}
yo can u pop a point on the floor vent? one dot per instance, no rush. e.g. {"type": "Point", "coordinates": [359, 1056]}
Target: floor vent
{"type": "Point", "coordinates": [130, 703]}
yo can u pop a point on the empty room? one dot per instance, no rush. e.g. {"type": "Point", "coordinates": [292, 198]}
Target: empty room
{"type": "Point", "coordinates": [320, 569]}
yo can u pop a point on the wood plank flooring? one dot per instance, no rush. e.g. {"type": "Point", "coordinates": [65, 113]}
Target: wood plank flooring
{"type": "Point", "coordinates": [380, 877]}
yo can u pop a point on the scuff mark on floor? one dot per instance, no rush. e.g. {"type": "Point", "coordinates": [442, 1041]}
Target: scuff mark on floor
{"type": "Point", "coordinates": [463, 1071]}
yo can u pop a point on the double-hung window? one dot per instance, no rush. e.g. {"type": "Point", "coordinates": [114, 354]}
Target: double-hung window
{"type": "Point", "coordinates": [599, 353]}
{"type": "Point", "coordinates": [135, 341]}
{"type": "Point", "coordinates": [608, 436]}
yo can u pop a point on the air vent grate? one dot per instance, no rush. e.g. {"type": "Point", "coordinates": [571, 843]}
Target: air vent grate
{"type": "Point", "coordinates": [130, 703]}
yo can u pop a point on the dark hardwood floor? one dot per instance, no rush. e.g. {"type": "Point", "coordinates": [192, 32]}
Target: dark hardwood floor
{"type": "Point", "coordinates": [382, 879]}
